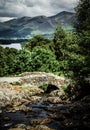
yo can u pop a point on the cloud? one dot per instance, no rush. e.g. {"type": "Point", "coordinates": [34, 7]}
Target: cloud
{"type": "Point", "coordinates": [19, 8]}
{"type": "Point", "coordinates": [3, 19]}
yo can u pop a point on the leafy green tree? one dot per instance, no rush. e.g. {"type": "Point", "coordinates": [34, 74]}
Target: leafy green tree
{"type": "Point", "coordinates": [44, 60]}
{"type": "Point", "coordinates": [38, 41]}
{"type": "Point", "coordinates": [66, 49]}
{"type": "Point", "coordinates": [83, 16]}
{"type": "Point", "coordinates": [84, 45]}
{"type": "Point", "coordinates": [7, 61]}
{"type": "Point", "coordinates": [3, 65]}
{"type": "Point", "coordinates": [83, 30]}
{"type": "Point", "coordinates": [11, 53]}
{"type": "Point", "coordinates": [59, 43]}
{"type": "Point", "coordinates": [23, 61]}
{"type": "Point", "coordinates": [70, 53]}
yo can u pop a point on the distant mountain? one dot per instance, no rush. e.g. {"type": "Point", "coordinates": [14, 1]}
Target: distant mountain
{"type": "Point", "coordinates": [27, 27]}
{"type": "Point", "coordinates": [64, 18]}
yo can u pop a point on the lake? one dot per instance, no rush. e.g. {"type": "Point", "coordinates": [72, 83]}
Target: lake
{"type": "Point", "coordinates": [12, 45]}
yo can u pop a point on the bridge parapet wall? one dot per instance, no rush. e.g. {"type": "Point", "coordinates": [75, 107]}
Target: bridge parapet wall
{"type": "Point", "coordinates": [41, 78]}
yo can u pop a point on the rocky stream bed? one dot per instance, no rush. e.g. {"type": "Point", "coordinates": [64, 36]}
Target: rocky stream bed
{"type": "Point", "coordinates": [27, 107]}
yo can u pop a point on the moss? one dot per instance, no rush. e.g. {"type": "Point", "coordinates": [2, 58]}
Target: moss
{"type": "Point", "coordinates": [44, 87]}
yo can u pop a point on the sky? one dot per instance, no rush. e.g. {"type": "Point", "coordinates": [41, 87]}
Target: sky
{"type": "Point", "coordinates": [10, 9]}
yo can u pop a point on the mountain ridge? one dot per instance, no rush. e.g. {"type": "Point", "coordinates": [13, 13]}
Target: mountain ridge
{"type": "Point", "coordinates": [27, 27]}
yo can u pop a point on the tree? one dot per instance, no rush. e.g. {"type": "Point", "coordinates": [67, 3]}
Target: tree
{"type": "Point", "coordinates": [59, 43]}
{"type": "Point", "coordinates": [66, 49]}
{"type": "Point", "coordinates": [83, 30]}
{"type": "Point", "coordinates": [38, 41]}
{"type": "Point", "coordinates": [83, 16]}
{"type": "Point", "coordinates": [23, 61]}
{"type": "Point", "coordinates": [7, 61]}
{"type": "Point", "coordinates": [70, 52]}
{"type": "Point", "coordinates": [3, 65]}
{"type": "Point", "coordinates": [11, 54]}
{"type": "Point", "coordinates": [44, 60]}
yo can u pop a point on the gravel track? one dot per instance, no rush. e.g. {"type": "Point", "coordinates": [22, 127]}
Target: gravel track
{"type": "Point", "coordinates": [9, 79]}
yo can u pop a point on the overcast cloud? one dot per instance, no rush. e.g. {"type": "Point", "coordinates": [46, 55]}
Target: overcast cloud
{"type": "Point", "coordinates": [19, 8]}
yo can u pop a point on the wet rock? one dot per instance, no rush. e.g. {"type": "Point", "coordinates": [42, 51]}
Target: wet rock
{"type": "Point", "coordinates": [6, 118]}
{"type": "Point", "coordinates": [17, 103]}
{"type": "Point", "coordinates": [46, 121]}
{"type": "Point", "coordinates": [53, 100]}
{"type": "Point", "coordinates": [24, 108]}
{"type": "Point", "coordinates": [38, 127]}
{"type": "Point", "coordinates": [42, 127]}
{"type": "Point", "coordinates": [35, 99]}
{"type": "Point", "coordinates": [55, 116]}
{"type": "Point", "coordinates": [2, 104]}
{"type": "Point", "coordinates": [17, 129]}
{"type": "Point", "coordinates": [71, 123]}
{"type": "Point", "coordinates": [0, 111]}
{"type": "Point", "coordinates": [8, 125]}
{"type": "Point", "coordinates": [35, 122]}
{"type": "Point", "coordinates": [10, 110]}
{"type": "Point", "coordinates": [58, 93]}
{"type": "Point", "coordinates": [20, 126]}
{"type": "Point", "coordinates": [30, 128]}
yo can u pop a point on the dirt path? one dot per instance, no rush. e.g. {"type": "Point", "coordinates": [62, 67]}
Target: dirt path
{"type": "Point", "coordinates": [9, 79]}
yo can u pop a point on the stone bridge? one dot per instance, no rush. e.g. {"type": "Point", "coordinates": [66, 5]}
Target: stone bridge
{"type": "Point", "coordinates": [41, 78]}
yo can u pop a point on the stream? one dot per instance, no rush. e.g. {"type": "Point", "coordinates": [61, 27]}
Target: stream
{"type": "Point", "coordinates": [39, 111]}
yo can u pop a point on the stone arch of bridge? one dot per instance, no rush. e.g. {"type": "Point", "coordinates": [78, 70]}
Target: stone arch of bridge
{"type": "Point", "coordinates": [48, 88]}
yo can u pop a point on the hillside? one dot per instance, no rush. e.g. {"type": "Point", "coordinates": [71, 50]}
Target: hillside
{"type": "Point", "coordinates": [27, 27]}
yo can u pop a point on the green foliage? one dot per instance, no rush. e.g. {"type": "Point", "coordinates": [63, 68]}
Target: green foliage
{"type": "Point", "coordinates": [23, 61]}
{"type": "Point", "coordinates": [44, 60]}
{"type": "Point", "coordinates": [2, 62]}
{"type": "Point", "coordinates": [38, 41]}
{"type": "Point", "coordinates": [66, 49]}
{"type": "Point", "coordinates": [84, 71]}
{"type": "Point", "coordinates": [73, 53]}
{"type": "Point", "coordinates": [83, 57]}
{"type": "Point", "coordinates": [83, 16]}
{"type": "Point", "coordinates": [59, 43]}
{"type": "Point", "coordinates": [7, 61]}
{"type": "Point", "coordinates": [11, 54]}
{"type": "Point", "coordinates": [44, 87]}
{"type": "Point", "coordinates": [41, 58]}
{"type": "Point", "coordinates": [16, 83]}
